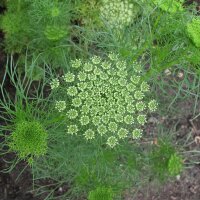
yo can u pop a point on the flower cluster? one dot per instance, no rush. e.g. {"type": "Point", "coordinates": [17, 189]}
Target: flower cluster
{"type": "Point", "coordinates": [29, 140]}
{"type": "Point", "coordinates": [118, 13]}
{"type": "Point", "coordinates": [193, 29]}
{"type": "Point", "coordinates": [171, 6]}
{"type": "Point", "coordinates": [104, 98]}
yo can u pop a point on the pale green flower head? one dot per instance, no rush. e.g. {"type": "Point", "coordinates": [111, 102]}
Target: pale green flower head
{"type": "Point", "coordinates": [84, 120]}
{"type": "Point", "coordinates": [112, 141]}
{"type": "Point", "coordinates": [106, 98]}
{"type": "Point", "coordinates": [122, 133]}
{"type": "Point", "coordinates": [72, 114]}
{"type": "Point", "coordinates": [96, 59]}
{"type": "Point", "coordinates": [60, 105]}
{"type": "Point", "coordinates": [54, 83]}
{"type": "Point", "coordinates": [72, 91]}
{"type": "Point", "coordinates": [69, 77]}
{"type": "Point", "coordinates": [140, 106]}
{"type": "Point", "coordinates": [89, 134]}
{"type": "Point", "coordinates": [153, 105]}
{"type": "Point", "coordinates": [102, 130]}
{"type": "Point", "coordinates": [137, 133]}
{"type": "Point", "coordinates": [72, 129]}
{"type": "Point", "coordinates": [76, 63]}
{"type": "Point", "coordinates": [118, 13]}
{"type": "Point", "coordinates": [142, 119]}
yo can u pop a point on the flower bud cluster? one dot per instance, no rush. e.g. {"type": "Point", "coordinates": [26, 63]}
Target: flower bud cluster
{"type": "Point", "coordinates": [118, 13]}
{"type": "Point", "coordinates": [105, 98]}
{"type": "Point", "coordinates": [29, 140]}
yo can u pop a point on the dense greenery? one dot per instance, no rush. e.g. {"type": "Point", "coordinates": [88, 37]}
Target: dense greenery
{"type": "Point", "coordinates": [89, 78]}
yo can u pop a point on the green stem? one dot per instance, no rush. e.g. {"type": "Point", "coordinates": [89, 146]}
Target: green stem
{"type": "Point", "coordinates": [19, 6]}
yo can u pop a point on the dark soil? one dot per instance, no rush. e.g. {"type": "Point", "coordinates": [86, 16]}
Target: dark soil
{"type": "Point", "coordinates": [185, 186]}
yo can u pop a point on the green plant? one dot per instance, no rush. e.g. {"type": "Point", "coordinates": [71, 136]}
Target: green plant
{"type": "Point", "coordinates": [101, 193]}
{"type": "Point", "coordinates": [171, 6]}
{"type": "Point", "coordinates": [164, 160]}
{"type": "Point", "coordinates": [15, 26]}
{"type": "Point", "coordinates": [39, 27]}
{"type": "Point", "coordinates": [193, 29]}
{"type": "Point", "coordinates": [175, 165]}
{"type": "Point", "coordinates": [100, 98]}
{"type": "Point", "coordinates": [24, 117]}
{"type": "Point", "coordinates": [87, 166]}
{"type": "Point", "coordinates": [29, 140]}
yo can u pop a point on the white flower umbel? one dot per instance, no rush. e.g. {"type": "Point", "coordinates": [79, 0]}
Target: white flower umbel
{"type": "Point", "coordinates": [118, 13]}
{"type": "Point", "coordinates": [105, 98]}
